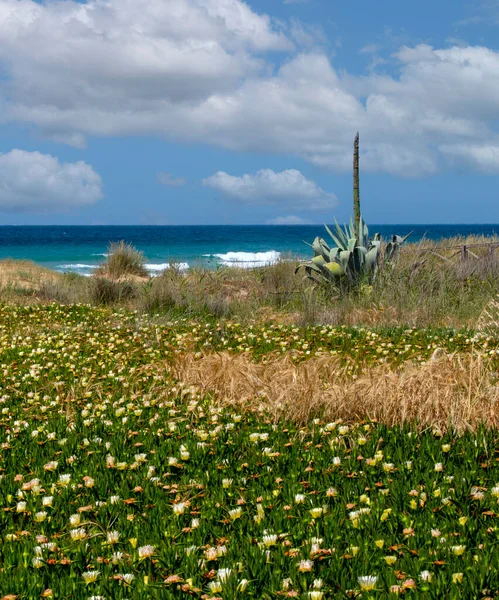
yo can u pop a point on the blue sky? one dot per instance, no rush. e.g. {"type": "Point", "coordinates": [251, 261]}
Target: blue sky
{"type": "Point", "coordinates": [221, 111]}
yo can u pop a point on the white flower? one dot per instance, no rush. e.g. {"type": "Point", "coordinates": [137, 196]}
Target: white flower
{"type": "Point", "coordinates": [40, 516]}
{"type": "Point", "coordinates": [128, 578]}
{"type": "Point", "coordinates": [211, 554]}
{"type": "Point", "coordinates": [146, 552]}
{"type": "Point", "coordinates": [215, 587]}
{"type": "Point", "coordinates": [367, 582]}
{"type": "Point", "coordinates": [90, 576]}
{"type": "Point", "coordinates": [21, 507]}
{"type": "Point", "coordinates": [112, 537]}
{"type": "Point", "coordinates": [235, 513]}
{"type": "Point", "coordinates": [75, 520]}
{"type": "Point", "coordinates": [224, 574]}
{"type": "Point", "coordinates": [179, 508]}
{"type": "Point", "coordinates": [305, 566]}
{"type": "Point", "coordinates": [47, 500]}
{"type": "Point", "coordinates": [64, 479]}
{"type": "Point", "coordinates": [270, 540]}
{"type": "Point", "coordinates": [117, 557]}
{"type": "Point", "coordinates": [78, 534]}
{"type": "Point", "coordinates": [425, 576]}
{"type": "Point", "coordinates": [300, 498]}
{"type": "Point", "coordinates": [439, 467]}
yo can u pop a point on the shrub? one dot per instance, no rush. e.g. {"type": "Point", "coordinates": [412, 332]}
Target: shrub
{"type": "Point", "coordinates": [123, 259]}
{"type": "Point", "coordinates": [105, 291]}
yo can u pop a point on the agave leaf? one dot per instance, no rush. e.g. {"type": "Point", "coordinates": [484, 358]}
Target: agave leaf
{"type": "Point", "coordinates": [320, 248]}
{"type": "Point", "coordinates": [372, 258]}
{"type": "Point", "coordinates": [339, 241]}
{"type": "Point", "coordinates": [344, 258]}
{"type": "Point", "coordinates": [342, 235]}
{"type": "Point", "coordinates": [333, 255]}
{"type": "Point", "coordinates": [335, 269]}
{"type": "Point", "coordinates": [358, 260]}
{"type": "Point", "coordinates": [309, 266]}
{"type": "Point", "coordinates": [352, 243]}
{"type": "Point", "coordinates": [319, 260]}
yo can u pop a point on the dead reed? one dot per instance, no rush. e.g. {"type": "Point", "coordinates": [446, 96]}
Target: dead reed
{"type": "Point", "coordinates": [448, 392]}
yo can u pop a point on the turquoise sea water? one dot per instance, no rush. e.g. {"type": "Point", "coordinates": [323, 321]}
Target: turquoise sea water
{"type": "Point", "coordinates": [81, 248]}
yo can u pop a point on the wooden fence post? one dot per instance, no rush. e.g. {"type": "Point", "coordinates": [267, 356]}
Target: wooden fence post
{"type": "Point", "coordinates": [464, 252]}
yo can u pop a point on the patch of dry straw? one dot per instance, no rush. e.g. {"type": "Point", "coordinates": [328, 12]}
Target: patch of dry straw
{"type": "Point", "coordinates": [449, 391]}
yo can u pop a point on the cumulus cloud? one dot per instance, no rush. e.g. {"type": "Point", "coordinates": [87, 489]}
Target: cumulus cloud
{"type": "Point", "coordinates": [203, 71]}
{"type": "Point", "coordinates": [31, 181]}
{"type": "Point", "coordinates": [266, 187]}
{"type": "Point", "coordinates": [169, 179]}
{"type": "Point", "coordinates": [484, 157]}
{"type": "Point", "coordinates": [289, 220]}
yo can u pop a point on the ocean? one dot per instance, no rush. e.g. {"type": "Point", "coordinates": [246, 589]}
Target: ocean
{"type": "Point", "coordinates": [80, 249]}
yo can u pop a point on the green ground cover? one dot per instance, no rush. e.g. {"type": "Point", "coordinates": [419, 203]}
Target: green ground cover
{"type": "Point", "coordinates": [117, 483]}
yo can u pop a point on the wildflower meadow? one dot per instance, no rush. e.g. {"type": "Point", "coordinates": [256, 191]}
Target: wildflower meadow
{"type": "Point", "coordinates": [119, 481]}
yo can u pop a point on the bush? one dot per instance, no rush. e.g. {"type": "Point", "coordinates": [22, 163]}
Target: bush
{"type": "Point", "coordinates": [105, 291]}
{"type": "Point", "coordinates": [123, 259]}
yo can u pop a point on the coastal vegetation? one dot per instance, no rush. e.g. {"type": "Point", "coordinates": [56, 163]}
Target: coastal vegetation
{"type": "Point", "coordinates": [420, 289]}
{"type": "Point", "coordinates": [234, 433]}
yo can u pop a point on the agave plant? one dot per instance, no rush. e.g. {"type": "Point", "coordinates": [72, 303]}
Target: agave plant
{"type": "Point", "coordinates": [353, 260]}
{"type": "Point", "coordinates": [393, 247]}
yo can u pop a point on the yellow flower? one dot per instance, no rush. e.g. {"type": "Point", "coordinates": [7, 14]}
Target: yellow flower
{"type": "Point", "coordinates": [386, 514]}
{"type": "Point", "coordinates": [390, 560]}
{"type": "Point", "coordinates": [379, 543]}
{"type": "Point", "coordinates": [463, 520]}
{"type": "Point", "coordinates": [458, 550]}
{"type": "Point", "coordinates": [457, 577]}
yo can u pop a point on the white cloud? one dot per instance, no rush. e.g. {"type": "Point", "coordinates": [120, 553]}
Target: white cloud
{"type": "Point", "coordinates": [200, 71]}
{"type": "Point", "coordinates": [31, 181]}
{"type": "Point", "coordinates": [266, 187]}
{"type": "Point", "coordinates": [483, 157]}
{"type": "Point", "coordinates": [169, 179]}
{"type": "Point", "coordinates": [289, 220]}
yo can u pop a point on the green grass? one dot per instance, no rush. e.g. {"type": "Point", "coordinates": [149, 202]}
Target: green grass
{"type": "Point", "coordinates": [110, 470]}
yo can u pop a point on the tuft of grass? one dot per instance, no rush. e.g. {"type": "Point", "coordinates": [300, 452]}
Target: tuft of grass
{"type": "Point", "coordinates": [123, 260]}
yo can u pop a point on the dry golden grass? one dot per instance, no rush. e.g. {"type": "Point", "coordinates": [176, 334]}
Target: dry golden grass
{"type": "Point", "coordinates": [25, 274]}
{"type": "Point", "coordinates": [450, 391]}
